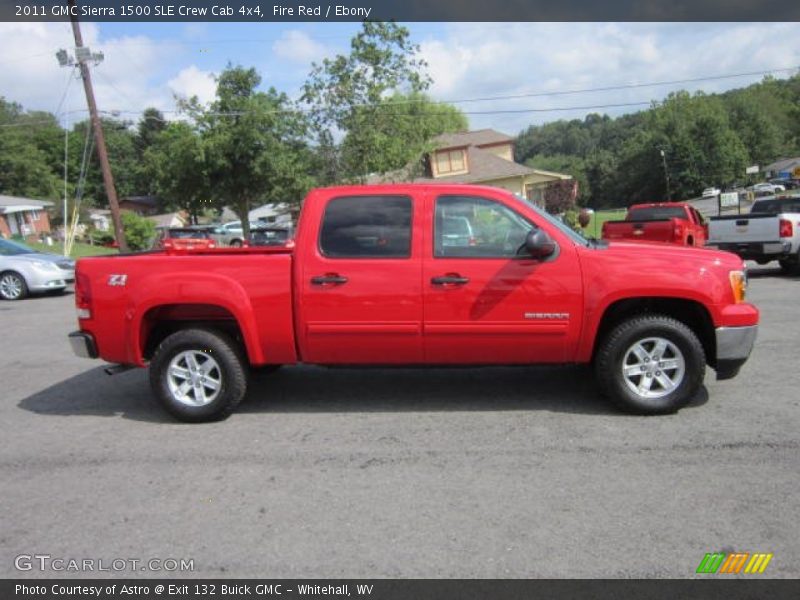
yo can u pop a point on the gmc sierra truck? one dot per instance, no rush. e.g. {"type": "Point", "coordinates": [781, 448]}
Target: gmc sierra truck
{"type": "Point", "coordinates": [374, 279]}
{"type": "Point", "coordinates": [771, 231]}
{"type": "Point", "coordinates": [670, 222]}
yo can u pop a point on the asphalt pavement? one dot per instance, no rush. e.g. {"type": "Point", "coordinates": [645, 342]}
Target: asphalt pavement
{"type": "Point", "coordinates": [494, 472]}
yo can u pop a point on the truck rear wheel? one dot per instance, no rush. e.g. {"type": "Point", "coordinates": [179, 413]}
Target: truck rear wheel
{"type": "Point", "coordinates": [791, 265]}
{"type": "Point", "coordinates": [650, 365]}
{"type": "Point", "coordinates": [198, 375]}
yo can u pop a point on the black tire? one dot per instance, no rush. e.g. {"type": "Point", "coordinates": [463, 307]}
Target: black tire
{"type": "Point", "coordinates": [12, 286]}
{"type": "Point", "coordinates": [226, 366]}
{"type": "Point", "coordinates": [790, 266]}
{"type": "Point", "coordinates": [236, 243]}
{"type": "Point", "coordinates": [643, 334]}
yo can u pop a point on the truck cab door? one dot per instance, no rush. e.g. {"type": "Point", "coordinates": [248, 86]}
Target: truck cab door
{"type": "Point", "coordinates": [487, 301]}
{"type": "Point", "coordinates": [360, 291]}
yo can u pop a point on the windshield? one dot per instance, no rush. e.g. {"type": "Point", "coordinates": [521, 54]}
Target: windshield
{"type": "Point", "coordinates": [9, 248]}
{"type": "Point", "coordinates": [563, 227]}
{"type": "Point", "coordinates": [656, 213]}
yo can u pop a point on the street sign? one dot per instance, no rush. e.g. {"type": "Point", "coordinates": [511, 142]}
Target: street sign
{"type": "Point", "coordinates": [729, 199]}
{"type": "Point", "coordinates": [751, 170]}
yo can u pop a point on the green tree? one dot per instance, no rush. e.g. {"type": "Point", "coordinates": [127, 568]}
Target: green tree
{"type": "Point", "coordinates": [396, 133]}
{"type": "Point", "coordinates": [353, 94]}
{"type": "Point", "coordinates": [139, 231]}
{"type": "Point", "coordinates": [175, 158]}
{"type": "Point", "coordinates": [254, 144]}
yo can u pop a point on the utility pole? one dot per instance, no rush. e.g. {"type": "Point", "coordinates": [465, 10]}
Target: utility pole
{"type": "Point", "coordinates": [666, 173]}
{"type": "Point", "coordinates": [82, 55]}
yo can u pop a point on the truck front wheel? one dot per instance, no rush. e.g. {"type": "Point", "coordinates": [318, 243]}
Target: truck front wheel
{"type": "Point", "coordinates": [650, 365]}
{"type": "Point", "coordinates": [198, 375]}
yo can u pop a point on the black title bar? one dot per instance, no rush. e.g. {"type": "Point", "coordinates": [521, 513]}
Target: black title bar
{"type": "Point", "coordinates": [711, 588]}
{"type": "Point", "coordinates": [401, 10]}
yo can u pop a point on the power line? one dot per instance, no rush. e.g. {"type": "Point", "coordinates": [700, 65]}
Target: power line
{"type": "Point", "coordinates": [622, 86]}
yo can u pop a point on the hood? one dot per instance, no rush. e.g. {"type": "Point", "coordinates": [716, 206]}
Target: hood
{"type": "Point", "coordinates": [673, 253]}
{"type": "Point", "coordinates": [63, 262]}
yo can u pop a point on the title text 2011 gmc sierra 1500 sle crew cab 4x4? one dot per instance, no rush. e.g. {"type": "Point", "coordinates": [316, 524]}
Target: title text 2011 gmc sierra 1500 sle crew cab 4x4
{"type": "Point", "coordinates": [374, 279]}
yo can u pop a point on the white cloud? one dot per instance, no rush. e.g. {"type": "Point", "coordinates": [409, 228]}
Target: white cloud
{"type": "Point", "coordinates": [481, 60]}
{"type": "Point", "coordinates": [297, 46]}
{"type": "Point", "coordinates": [128, 80]}
{"type": "Point", "coordinates": [192, 81]}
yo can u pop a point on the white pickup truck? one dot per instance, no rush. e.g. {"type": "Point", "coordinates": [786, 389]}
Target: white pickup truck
{"type": "Point", "coordinates": [771, 231]}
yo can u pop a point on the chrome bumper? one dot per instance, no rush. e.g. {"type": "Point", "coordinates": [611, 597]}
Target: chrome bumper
{"type": "Point", "coordinates": [83, 344]}
{"type": "Point", "coordinates": [734, 345]}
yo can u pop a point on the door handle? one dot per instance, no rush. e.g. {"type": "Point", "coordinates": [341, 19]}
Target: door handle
{"type": "Point", "coordinates": [328, 278]}
{"type": "Point", "coordinates": [450, 279]}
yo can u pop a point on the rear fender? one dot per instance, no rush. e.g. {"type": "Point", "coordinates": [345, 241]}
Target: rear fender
{"type": "Point", "coordinates": [191, 288]}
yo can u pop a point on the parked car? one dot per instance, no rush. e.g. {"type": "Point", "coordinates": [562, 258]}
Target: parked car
{"type": "Point", "coordinates": [711, 192]}
{"type": "Point", "coordinates": [232, 234]}
{"type": "Point", "coordinates": [184, 238]}
{"type": "Point", "coordinates": [24, 271]}
{"type": "Point", "coordinates": [770, 232]}
{"type": "Point", "coordinates": [457, 232]}
{"type": "Point", "coordinates": [269, 236]}
{"type": "Point", "coordinates": [648, 318]}
{"type": "Point", "coordinates": [671, 222]}
{"type": "Point", "coordinates": [772, 188]}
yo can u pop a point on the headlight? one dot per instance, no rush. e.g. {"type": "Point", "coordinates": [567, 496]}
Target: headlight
{"type": "Point", "coordinates": [47, 266]}
{"type": "Point", "coordinates": [738, 285]}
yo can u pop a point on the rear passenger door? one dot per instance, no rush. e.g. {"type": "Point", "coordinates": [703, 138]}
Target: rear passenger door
{"type": "Point", "coordinates": [361, 285]}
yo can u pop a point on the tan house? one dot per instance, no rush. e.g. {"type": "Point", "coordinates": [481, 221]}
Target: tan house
{"type": "Point", "coordinates": [483, 157]}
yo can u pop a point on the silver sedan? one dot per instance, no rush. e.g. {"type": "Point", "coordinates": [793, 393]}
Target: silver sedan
{"type": "Point", "coordinates": [25, 271]}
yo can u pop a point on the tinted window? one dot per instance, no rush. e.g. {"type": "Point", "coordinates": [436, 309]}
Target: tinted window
{"type": "Point", "coordinates": [188, 234]}
{"type": "Point", "coordinates": [656, 213]}
{"type": "Point", "coordinates": [367, 226]}
{"type": "Point", "coordinates": [478, 228]}
{"type": "Point", "coordinates": [775, 206]}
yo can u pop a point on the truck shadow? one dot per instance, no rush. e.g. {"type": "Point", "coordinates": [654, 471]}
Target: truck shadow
{"type": "Point", "coordinates": [306, 389]}
{"type": "Point", "coordinates": [765, 271]}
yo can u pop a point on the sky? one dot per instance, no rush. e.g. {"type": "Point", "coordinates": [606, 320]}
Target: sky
{"type": "Point", "coordinates": [522, 68]}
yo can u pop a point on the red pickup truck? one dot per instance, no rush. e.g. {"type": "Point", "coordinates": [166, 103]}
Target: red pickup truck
{"type": "Point", "coordinates": [376, 279]}
{"type": "Point", "coordinates": [671, 222]}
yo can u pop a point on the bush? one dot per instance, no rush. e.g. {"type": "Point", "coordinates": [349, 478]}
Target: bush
{"type": "Point", "coordinates": [99, 238]}
{"type": "Point", "coordinates": [139, 231]}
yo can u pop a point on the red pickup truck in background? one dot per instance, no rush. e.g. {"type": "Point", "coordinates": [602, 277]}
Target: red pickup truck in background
{"type": "Point", "coordinates": [378, 278]}
{"type": "Point", "coordinates": [671, 222]}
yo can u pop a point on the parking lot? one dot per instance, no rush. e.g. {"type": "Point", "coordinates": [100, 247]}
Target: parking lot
{"type": "Point", "coordinates": [496, 472]}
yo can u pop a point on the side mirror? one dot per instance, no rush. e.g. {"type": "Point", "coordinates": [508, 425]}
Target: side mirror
{"type": "Point", "coordinates": [539, 244]}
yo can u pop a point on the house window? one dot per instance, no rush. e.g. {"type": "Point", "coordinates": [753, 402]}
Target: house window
{"type": "Point", "coordinates": [34, 215]}
{"type": "Point", "coordinates": [450, 161]}
{"type": "Point", "coordinates": [535, 193]}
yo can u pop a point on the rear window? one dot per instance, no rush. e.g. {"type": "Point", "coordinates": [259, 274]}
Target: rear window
{"type": "Point", "coordinates": [188, 234]}
{"type": "Point", "coordinates": [654, 213]}
{"type": "Point", "coordinates": [367, 227]}
{"type": "Point", "coordinates": [775, 206]}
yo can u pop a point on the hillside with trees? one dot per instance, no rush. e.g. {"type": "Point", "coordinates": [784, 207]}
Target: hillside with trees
{"type": "Point", "coordinates": [706, 139]}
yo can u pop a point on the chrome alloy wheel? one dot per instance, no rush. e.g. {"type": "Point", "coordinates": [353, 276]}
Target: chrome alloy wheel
{"type": "Point", "coordinates": [194, 378]}
{"type": "Point", "coordinates": [10, 286]}
{"type": "Point", "coordinates": [653, 367]}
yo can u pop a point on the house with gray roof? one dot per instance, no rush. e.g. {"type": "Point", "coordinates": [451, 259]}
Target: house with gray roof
{"type": "Point", "coordinates": [484, 157]}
